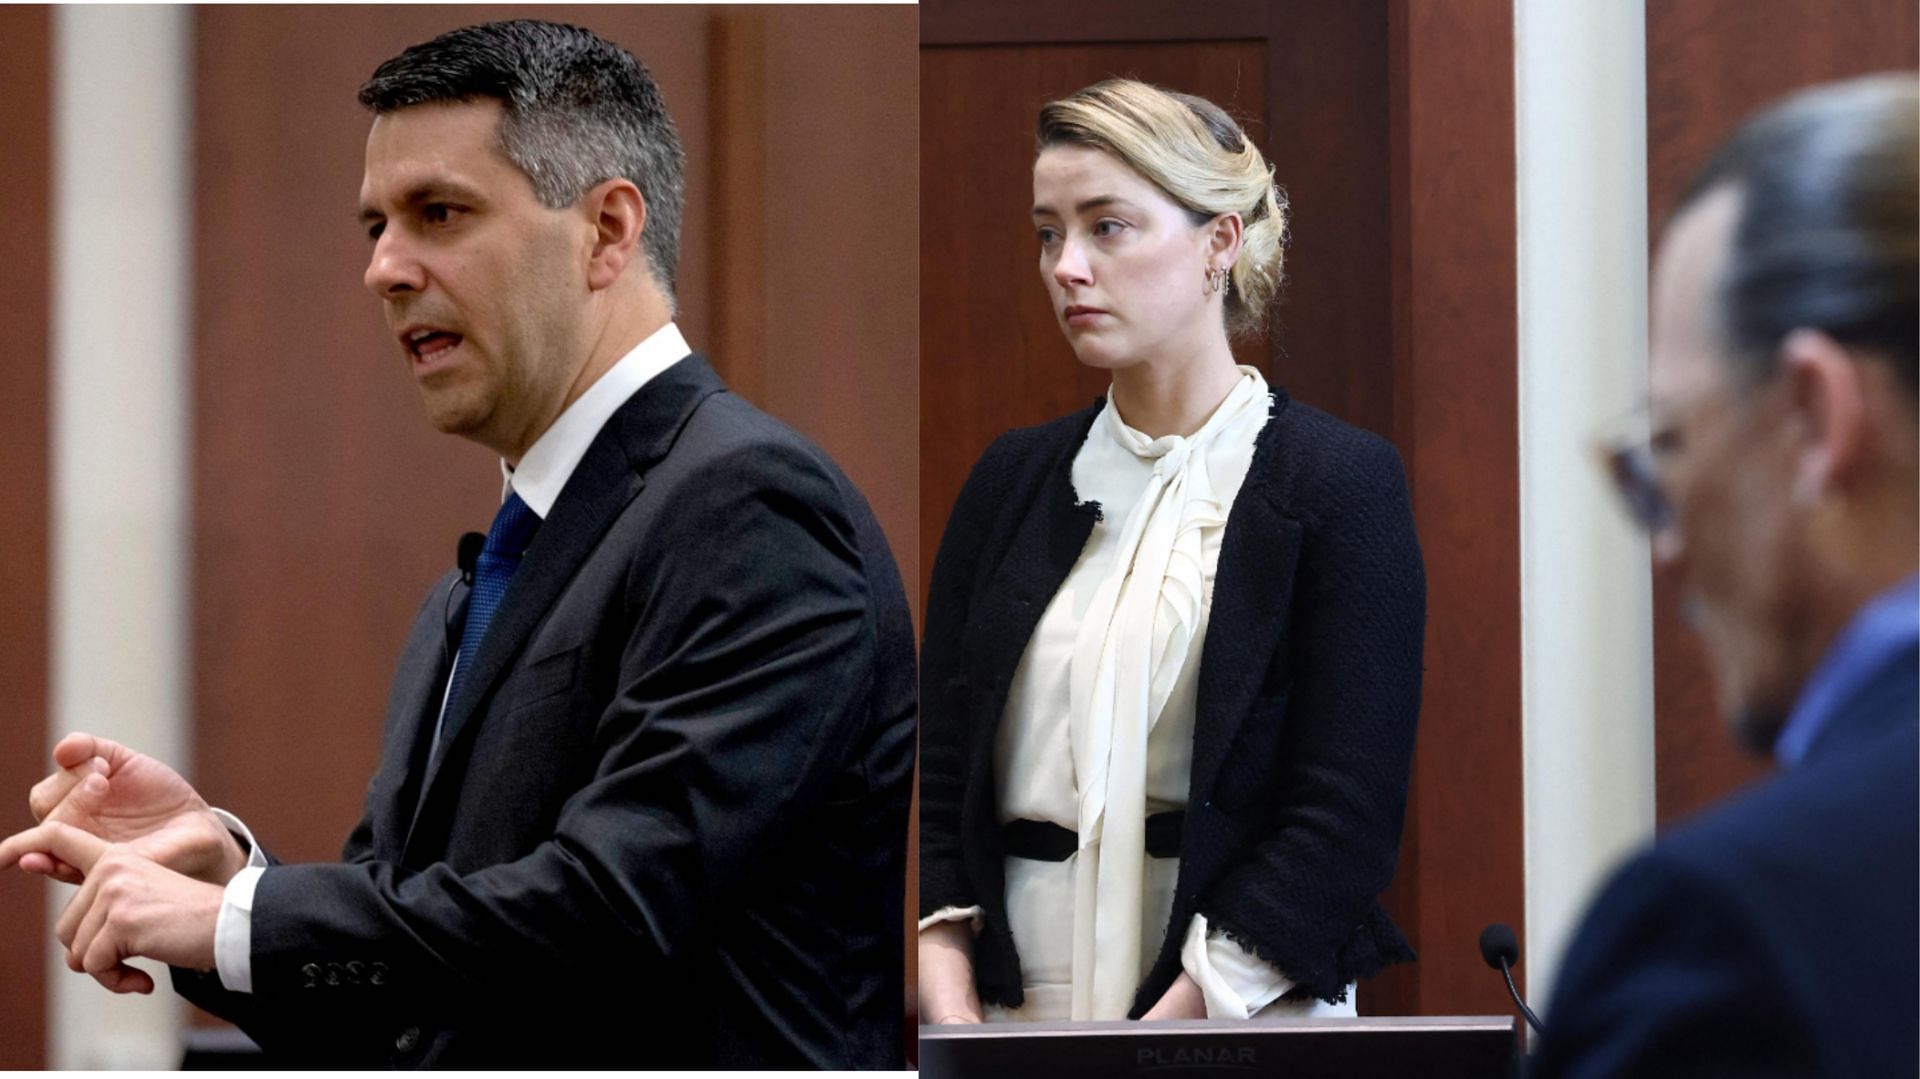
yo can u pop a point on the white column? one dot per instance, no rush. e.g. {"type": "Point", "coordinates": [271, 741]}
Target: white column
{"type": "Point", "coordinates": [1585, 589]}
{"type": "Point", "coordinates": [121, 398]}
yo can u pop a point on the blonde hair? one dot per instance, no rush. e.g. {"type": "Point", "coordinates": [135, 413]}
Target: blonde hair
{"type": "Point", "coordinates": [1192, 150]}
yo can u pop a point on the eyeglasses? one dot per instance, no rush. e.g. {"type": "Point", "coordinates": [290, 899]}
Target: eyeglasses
{"type": "Point", "coordinates": [1626, 454]}
{"type": "Point", "coordinates": [1631, 451]}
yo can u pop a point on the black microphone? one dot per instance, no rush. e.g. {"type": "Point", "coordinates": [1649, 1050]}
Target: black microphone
{"type": "Point", "coordinates": [471, 544]}
{"type": "Point", "coordinates": [1500, 948]}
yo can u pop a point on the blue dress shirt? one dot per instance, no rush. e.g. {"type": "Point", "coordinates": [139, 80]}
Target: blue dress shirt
{"type": "Point", "coordinates": [1886, 626]}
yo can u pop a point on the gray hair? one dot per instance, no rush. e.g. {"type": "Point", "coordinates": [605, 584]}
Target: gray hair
{"type": "Point", "coordinates": [578, 110]}
{"type": "Point", "coordinates": [1828, 236]}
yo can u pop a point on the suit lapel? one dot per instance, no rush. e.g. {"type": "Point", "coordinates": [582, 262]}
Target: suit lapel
{"type": "Point", "coordinates": [1252, 595]}
{"type": "Point", "coordinates": [1044, 547]}
{"type": "Point", "coordinates": [411, 712]}
{"type": "Point", "coordinates": [608, 477]}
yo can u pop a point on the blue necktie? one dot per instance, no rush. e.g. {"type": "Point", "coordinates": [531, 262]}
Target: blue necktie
{"type": "Point", "coordinates": [512, 531]}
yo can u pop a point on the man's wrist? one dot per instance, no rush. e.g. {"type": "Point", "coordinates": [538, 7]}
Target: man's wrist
{"type": "Point", "coordinates": [236, 860]}
{"type": "Point", "coordinates": [240, 851]}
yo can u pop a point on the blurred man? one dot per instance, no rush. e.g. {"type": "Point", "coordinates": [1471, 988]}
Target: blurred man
{"type": "Point", "coordinates": [643, 789]}
{"type": "Point", "coordinates": [1777, 934]}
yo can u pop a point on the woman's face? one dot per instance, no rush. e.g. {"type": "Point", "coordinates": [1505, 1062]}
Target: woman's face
{"type": "Point", "coordinates": [1123, 264]}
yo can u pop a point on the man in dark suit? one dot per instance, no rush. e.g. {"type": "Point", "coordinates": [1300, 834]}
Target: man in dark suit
{"type": "Point", "coordinates": [1776, 935]}
{"type": "Point", "coordinates": [644, 780]}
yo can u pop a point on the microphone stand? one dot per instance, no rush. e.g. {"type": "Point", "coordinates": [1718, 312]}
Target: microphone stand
{"type": "Point", "coordinates": [1532, 1019]}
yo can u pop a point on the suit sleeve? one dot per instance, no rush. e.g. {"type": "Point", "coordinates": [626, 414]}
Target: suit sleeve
{"type": "Point", "coordinates": [743, 687]}
{"type": "Point", "coordinates": [944, 724]}
{"type": "Point", "coordinates": [1303, 896]}
{"type": "Point", "coordinates": [206, 990]}
{"type": "Point", "coordinates": [1671, 976]}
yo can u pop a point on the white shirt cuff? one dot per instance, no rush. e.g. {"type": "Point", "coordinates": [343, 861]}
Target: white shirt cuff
{"type": "Point", "coordinates": [233, 930]}
{"type": "Point", "coordinates": [256, 858]}
{"type": "Point", "coordinates": [973, 915]}
{"type": "Point", "coordinates": [1235, 982]}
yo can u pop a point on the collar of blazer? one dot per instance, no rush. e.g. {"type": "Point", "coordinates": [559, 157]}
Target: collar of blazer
{"type": "Point", "coordinates": [610, 475]}
{"type": "Point", "coordinates": [1247, 623]}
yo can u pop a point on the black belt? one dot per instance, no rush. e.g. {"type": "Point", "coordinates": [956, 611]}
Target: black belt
{"type": "Point", "coordinates": [1045, 841]}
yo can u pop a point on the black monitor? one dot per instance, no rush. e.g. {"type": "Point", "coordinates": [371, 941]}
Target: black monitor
{"type": "Point", "coordinates": [1431, 1047]}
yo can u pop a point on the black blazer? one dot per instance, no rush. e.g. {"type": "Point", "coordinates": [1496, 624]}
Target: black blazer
{"type": "Point", "coordinates": [1778, 935]}
{"type": "Point", "coordinates": [1309, 684]}
{"type": "Point", "coordinates": [671, 832]}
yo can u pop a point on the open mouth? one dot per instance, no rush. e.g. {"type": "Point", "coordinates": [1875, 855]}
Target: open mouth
{"type": "Point", "coordinates": [428, 345]}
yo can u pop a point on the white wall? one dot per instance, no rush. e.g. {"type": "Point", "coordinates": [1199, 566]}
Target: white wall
{"type": "Point", "coordinates": [1585, 589]}
{"type": "Point", "coordinates": [121, 396]}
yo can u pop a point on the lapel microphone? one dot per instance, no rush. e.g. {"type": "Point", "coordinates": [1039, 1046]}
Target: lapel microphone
{"type": "Point", "coordinates": [467, 557]}
{"type": "Point", "coordinates": [471, 544]}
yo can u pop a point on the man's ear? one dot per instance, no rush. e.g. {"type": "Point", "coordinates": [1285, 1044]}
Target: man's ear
{"type": "Point", "coordinates": [619, 216]}
{"type": "Point", "coordinates": [1829, 401]}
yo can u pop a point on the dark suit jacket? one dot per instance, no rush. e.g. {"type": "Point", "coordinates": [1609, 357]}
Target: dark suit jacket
{"type": "Point", "coordinates": [1775, 936]}
{"type": "Point", "coordinates": [670, 830]}
{"type": "Point", "coordinates": [1309, 684]}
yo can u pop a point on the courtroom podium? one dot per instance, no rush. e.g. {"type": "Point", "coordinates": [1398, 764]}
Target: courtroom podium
{"type": "Point", "coordinates": [1385, 1047]}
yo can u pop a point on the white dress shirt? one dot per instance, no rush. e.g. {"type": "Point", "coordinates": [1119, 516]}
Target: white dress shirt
{"type": "Point", "coordinates": [541, 476]}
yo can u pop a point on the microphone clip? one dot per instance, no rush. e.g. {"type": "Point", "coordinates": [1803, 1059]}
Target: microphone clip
{"type": "Point", "coordinates": [471, 544]}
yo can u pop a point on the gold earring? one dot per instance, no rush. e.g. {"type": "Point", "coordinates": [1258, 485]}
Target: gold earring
{"type": "Point", "coordinates": [1216, 279]}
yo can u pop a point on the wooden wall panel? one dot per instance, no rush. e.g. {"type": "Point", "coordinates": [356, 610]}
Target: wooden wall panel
{"type": "Point", "coordinates": [1711, 63]}
{"type": "Point", "coordinates": [1329, 109]}
{"type": "Point", "coordinates": [1456, 418]}
{"type": "Point", "coordinates": [738, 42]}
{"type": "Point", "coordinates": [841, 220]}
{"type": "Point", "coordinates": [325, 504]}
{"type": "Point", "coordinates": [1000, 22]}
{"type": "Point", "coordinates": [26, 225]}
{"type": "Point", "coordinates": [1392, 131]}
{"type": "Point", "coordinates": [839, 217]}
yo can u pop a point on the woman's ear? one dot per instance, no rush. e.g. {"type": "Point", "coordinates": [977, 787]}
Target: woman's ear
{"type": "Point", "coordinates": [1223, 236]}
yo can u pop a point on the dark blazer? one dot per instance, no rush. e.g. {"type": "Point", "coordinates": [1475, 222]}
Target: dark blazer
{"type": "Point", "coordinates": [670, 832]}
{"type": "Point", "coordinates": [1309, 684]}
{"type": "Point", "coordinates": [1774, 936]}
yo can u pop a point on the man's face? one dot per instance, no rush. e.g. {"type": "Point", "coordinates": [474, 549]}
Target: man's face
{"type": "Point", "coordinates": [1726, 468]}
{"type": "Point", "coordinates": [484, 287]}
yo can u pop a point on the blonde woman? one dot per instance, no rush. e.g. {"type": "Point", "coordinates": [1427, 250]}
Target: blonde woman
{"type": "Point", "coordinates": [1172, 655]}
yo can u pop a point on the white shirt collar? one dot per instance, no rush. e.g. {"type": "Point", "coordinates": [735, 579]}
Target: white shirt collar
{"type": "Point", "coordinates": [550, 461]}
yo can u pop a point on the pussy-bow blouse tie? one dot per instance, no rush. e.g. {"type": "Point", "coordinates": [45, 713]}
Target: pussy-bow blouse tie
{"type": "Point", "coordinates": [1132, 645]}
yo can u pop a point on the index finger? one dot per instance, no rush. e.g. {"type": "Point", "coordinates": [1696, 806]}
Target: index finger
{"type": "Point", "coordinates": [77, 848]}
